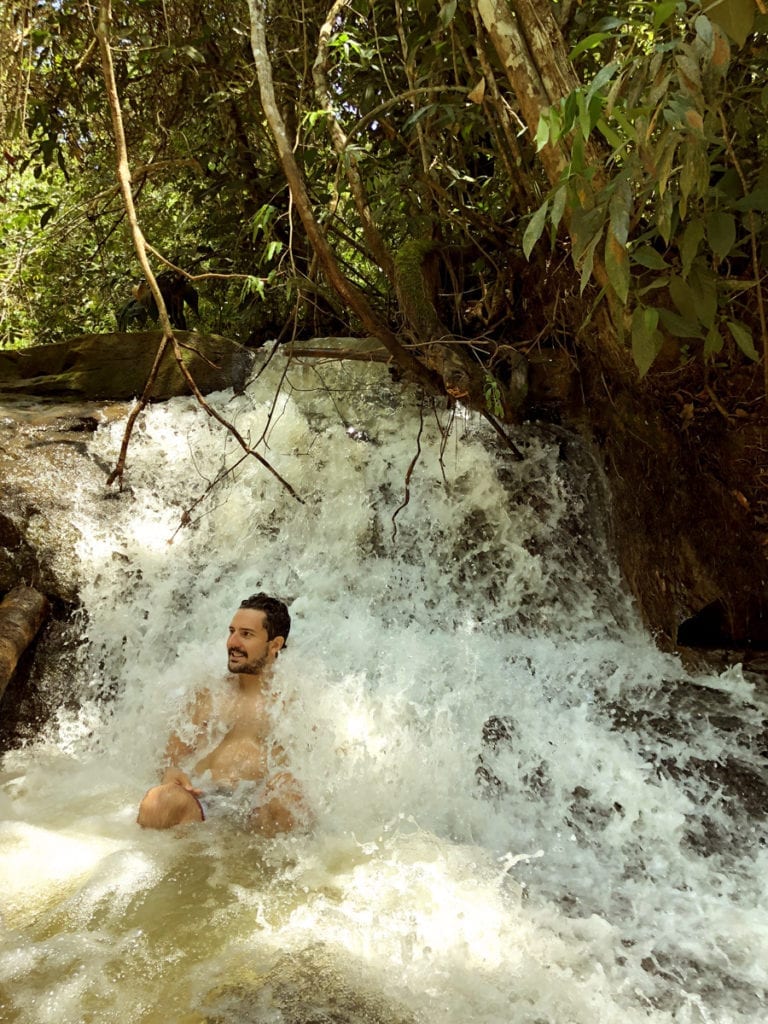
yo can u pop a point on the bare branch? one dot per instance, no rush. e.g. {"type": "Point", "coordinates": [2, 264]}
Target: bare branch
{"type": "Point", "coordinates": [300, 197]}
{"type": "Point", "coordinates": [142, 247]}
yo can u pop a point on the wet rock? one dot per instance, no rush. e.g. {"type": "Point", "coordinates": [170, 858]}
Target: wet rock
{"type": "Point", "coordinates": [116, 366]}
{"type": "Point", "coordinates": [22, 613]}
{"type": "Point", "coordinates": [315, 986]}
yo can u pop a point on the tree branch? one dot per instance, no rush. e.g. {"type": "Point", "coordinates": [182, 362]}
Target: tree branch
{"type": "Point", "coordinates": [339, 141]}
{"type": "Point", "coordinates": [348, 292]}
{"type": "Point", "coordinates": [141, 246]}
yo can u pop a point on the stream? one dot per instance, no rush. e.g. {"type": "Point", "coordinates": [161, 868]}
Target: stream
{"type": "Point", "coordinates": [524, 813]}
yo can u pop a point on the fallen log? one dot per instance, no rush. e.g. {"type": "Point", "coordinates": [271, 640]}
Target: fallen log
{"type": "Point", "coordinates": [22, 613]}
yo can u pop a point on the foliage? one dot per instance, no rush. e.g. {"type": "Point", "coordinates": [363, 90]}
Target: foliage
{"type": "Point", "coordinates": [677, 215]}
{"type": "Point", "coordinates": [662, 200]}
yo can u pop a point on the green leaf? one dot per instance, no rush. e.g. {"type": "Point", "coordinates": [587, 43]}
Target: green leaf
{"type": "Point", "coordinates": [663, 12]}
{"type": "Point", "coordinates": [735, 17]}
{"type": "Point", "coordinates": [664, 213]}
{"type": "Point", "coordinates": [588, 259]}
{"type": "Point", "coordinates": [610, 135]}
{"type": "Point", "coordinates": [535, 228]}
{"type": "Point", "coordinates": [664, 158]}
{"type": "Point", "coordinates": [447, 12]}
{"type": "Point", "coordinates": [646, 338]}
{"type": "Point", "coordinates": [655, 285]}
{"type": "Point", "coordinates": [586, 226]}
{"type": "Point", "coordinates": [585, 123]}
{"type": "Point", "coordinates": [713, 343]}
{"type": "Point", "coordinates": [619, 210]}
{"type": "Point", "coordinates": [678, 326]}
{"type": "Point", "coordinates": [603, 76]}
{"type": "Point", "coordinates": [721, 233]}
{"type": "Point", "coordinates": [683, 298]}
{"type": "Point", "coordinates": [703, 285]}
{"type": "Point", "coordinates": [558, 206]}
{"type": "Point", "coordinates": [542, 131]}
{"type": "Point", "coordinates": [704, 29]}
{"type": "Point", "coordinates": [743, 338]}
{"type": "Point", "coordinates": [617, 265]}
{"type": "Point", "coordinates": [689, 245]}
{"type": "Point", "coordinates": [756, 200]}
{"type": "Point", "coordinates": [588, 43]}
{"type": "Point", "coordinates": [647, 257]}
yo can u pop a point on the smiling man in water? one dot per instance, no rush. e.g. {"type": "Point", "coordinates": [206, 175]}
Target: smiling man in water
{"type": "Point", "coordinates": [258, 631]}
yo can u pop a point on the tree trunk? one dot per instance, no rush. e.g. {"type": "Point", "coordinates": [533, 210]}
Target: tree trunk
{"type": "Point", "coordinates": [349, 294]}
{"type": "Point", "coordinates": [22, 613]}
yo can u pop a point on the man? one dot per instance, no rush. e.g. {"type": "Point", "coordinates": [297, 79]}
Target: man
{"type": "Point", "coordinates": [257, 633]}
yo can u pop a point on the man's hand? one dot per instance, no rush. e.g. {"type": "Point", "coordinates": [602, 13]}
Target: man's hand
{"type": "Point", "coordinates": [180, 778]}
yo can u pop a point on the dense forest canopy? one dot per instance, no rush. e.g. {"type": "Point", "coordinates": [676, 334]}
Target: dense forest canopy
{"type": "Point", "coordinates": [493, 172]}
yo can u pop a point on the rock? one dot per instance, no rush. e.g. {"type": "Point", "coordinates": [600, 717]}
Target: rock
{"type": "Point", "coordinates": [116, 366]}
{"type": "Point", "coordinates": [22, 613]}
{"type": "Point", "coordinates": [314, 986]}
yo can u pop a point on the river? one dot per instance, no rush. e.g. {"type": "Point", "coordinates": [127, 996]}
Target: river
{"type": "Point", "coordinates": [583, 863]}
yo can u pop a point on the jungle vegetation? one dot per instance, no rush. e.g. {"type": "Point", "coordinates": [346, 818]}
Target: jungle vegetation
{"type": "Point", "coordinates": [488, 174]}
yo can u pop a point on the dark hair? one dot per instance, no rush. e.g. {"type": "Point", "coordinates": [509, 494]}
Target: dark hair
{"type": "Point", "coordinates": [277, 621]}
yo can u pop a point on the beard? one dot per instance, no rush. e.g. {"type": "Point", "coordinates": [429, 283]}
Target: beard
{"type": "Point", "coordinates": [242, 666]}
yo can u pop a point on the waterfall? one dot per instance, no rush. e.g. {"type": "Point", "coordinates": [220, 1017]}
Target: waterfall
{"type": "Point", "coordinates": [523, 811]}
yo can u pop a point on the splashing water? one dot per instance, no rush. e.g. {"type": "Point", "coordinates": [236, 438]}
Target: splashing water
{"type": "Point", "coordinates": [577, 864]}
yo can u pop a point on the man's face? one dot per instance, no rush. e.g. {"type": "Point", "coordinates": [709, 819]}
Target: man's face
{"type": "Point", "coordinates": [249, 649]}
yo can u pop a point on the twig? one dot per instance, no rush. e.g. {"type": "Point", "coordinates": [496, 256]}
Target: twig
{"type": "Point", "coordinates": [507, 440]}
{"type": "Point", "coordinates": [141, 246]}
{"type": "Point", "coordinates": [374, 356]}
{"type": "Point", "coordinates": [409, 474]}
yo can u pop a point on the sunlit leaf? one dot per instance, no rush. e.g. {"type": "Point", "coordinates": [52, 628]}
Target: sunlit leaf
{"type": "Point", "coordinates": [477, 94]}
{"type": "Point", "coordinates": [542, 131]}
{"type": "Point", "coordinates": [588, 43]}
{"type": "Point", "coordinates": [663, 12]}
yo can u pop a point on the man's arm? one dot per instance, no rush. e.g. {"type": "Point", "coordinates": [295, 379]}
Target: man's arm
{"type": "Point", "coordinates": [177, 749]}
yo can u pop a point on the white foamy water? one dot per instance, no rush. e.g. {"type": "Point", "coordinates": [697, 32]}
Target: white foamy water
{"type": "Point", "coordinates": [596, 872]}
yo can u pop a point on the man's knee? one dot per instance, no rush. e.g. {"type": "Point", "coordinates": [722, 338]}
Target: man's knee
{"type": "Point", "coordinates": [168, 805]}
